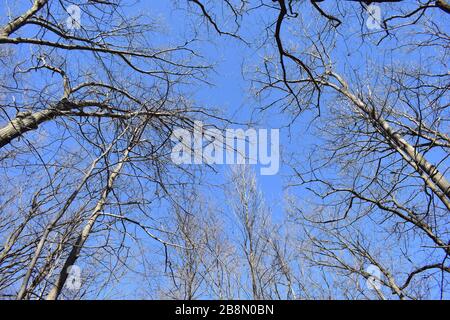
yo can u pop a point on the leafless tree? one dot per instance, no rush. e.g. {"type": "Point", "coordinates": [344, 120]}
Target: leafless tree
{"type": "Point", "coordinates": [381, 151]}
{"type": "Point", "coordinates": [88, 108]}
{"type": "Point", "coordinates": [87, 115]}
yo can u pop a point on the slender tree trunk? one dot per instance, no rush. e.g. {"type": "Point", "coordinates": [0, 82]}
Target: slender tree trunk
{"type": "Point", "coordinates": [51, 226]}
{"type": "Point", "coordinates": [430, 174]}
{"type": "Point", "coordinates": [83, 236]}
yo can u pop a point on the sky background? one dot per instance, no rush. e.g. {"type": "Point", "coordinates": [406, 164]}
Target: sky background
{"type": "Point", "coordinates": [231, 93]}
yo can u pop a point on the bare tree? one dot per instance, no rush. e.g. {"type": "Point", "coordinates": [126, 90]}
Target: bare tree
{"type": "Point", "coordinates": [88, 106]}
{"type": "Point", "coordinates": [106, 97]}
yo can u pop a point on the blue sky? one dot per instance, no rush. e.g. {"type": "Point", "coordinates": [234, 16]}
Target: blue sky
{"type": "Point", "coordinates": [230, 91]}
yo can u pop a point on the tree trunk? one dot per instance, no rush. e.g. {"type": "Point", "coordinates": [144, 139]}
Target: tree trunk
{"type": "Point", "coordinates": [76, 248]}
{"type": "Point", "coordinates": [27, 121]}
